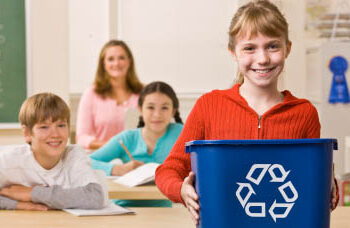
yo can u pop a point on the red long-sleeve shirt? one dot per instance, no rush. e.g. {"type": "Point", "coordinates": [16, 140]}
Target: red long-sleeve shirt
{"type": "Point", "coordinates": [225, 114]}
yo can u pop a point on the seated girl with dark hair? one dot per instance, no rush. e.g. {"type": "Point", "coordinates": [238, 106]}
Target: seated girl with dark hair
{"type": "Point", "coordinates": [150, 142]}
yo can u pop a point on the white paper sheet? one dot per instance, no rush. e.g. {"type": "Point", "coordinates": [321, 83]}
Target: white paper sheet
{"type": "Point", "coordinates": [141, 175]}
{"type": "Point", "coordinates": [111, 209]}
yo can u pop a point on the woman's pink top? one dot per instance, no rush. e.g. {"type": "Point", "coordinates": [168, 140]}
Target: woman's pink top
{"type": "Point", "coordinates": [100, 118]}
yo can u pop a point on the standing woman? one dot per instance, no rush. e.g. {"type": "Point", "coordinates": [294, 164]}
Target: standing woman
{"type": "Point", "coordinates": [102, 108]}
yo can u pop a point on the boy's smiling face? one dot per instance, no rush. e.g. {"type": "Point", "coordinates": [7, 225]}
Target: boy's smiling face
{"type": "Point", "coordinates": [48, 141]}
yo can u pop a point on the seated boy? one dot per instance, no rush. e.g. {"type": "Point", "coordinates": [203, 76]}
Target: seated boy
{"type": "Point", "coordinates": [47, 173]}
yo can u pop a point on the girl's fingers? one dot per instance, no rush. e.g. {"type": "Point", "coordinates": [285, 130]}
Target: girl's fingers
{"type": "Point", "coordinates": [189, 186]}
{"type": "Point", "coordinates": [334, 199]}
{"type": "Point", "coordinates": [194, 215]}
{"type": "Point", "coordinates": [335, 194]}
{"type": "Point", "coordinates": [190, 197]}
{"type": "Point", "coordinates": [192, 203]}
{"type": "Point", "coordinates": [192, 193]}
{"type": "Point", "coordinates": [189, 179]}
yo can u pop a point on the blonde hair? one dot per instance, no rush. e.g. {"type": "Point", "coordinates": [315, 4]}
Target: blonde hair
{"type": "Point", "coordinates": [41, 107]}
{"type": "Point", "coordinates": [256, 17]}
{"type": "Point", "coordinates": [102, 83]}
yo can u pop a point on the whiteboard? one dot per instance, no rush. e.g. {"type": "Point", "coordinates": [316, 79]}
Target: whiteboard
{"type": "Point", "coordinates": [13, 61]}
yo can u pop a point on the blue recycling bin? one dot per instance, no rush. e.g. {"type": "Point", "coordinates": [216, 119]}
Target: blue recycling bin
{"type": "Point", "coordinates": [263, 183]}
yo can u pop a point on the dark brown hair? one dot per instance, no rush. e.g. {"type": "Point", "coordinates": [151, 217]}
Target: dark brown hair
{"type": "Point", "coordinates": [164, 88]}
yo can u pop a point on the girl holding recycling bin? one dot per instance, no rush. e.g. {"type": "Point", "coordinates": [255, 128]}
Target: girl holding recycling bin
{"type": "Point", "coordinates": [253, 108]}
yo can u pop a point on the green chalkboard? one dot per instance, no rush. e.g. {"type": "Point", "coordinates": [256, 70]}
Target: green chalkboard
{"type": "Point", "coordinates": [13, 88]}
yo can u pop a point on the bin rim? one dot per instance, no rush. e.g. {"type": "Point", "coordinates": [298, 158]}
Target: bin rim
{"type": "Point", "coordinates": [264, 142]}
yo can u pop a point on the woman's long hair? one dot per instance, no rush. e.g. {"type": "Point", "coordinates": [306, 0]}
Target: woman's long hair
{"type": "Point", "coordinates": [102, 83]}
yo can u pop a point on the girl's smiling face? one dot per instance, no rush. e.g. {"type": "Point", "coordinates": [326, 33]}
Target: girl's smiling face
{"type": "Point", "coordinates": [261, 58]}
{"type": "Point", "coordinates": [157, 111]}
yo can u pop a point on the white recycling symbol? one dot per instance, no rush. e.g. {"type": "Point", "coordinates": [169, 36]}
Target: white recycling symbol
{"type": "Point", "coordinates": [289, 202]}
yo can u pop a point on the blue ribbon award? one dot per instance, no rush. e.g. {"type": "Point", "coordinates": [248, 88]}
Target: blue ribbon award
{"type": "Point", "coordinates": [339, 90]}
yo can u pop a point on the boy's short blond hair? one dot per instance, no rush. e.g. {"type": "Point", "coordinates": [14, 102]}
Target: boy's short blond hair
{"type": "Point", "coordinates": [41, 107]}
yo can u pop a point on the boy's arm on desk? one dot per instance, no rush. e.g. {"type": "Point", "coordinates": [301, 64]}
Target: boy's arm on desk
{"type": "Point", "coordinates": [7, 203]}
{"type": "Point", "coordinates": [90, 196]}
{"type": "Point", "coordinates": [10, 204]}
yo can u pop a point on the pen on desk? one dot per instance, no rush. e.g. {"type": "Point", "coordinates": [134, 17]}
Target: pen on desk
{"type": "Point", "coordinates": [126, 150]}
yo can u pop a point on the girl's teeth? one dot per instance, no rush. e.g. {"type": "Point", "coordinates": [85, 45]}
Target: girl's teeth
{"type": "Point", "coordinates": [262, 71]}
{"type": "Point", "coordinates": [54, 144]}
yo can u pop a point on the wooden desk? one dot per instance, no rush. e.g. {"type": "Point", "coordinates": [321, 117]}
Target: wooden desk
{"type": "Point", "coordinates": [145, 192]}
{"type": "Point", "coordinates": [145, 218]}
{"type": "Point", "coordinates": [340, 217]}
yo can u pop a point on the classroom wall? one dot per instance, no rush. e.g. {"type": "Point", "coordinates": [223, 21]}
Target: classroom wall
{"type": "Point", "coordinates": [186, 48]}
{"type": "Point", "coordinates": [49, 60]}
{"type": "Point", "coordinates": [187, 51]}
{"type": "Point", "coordinates": [295, 76]}
{"type": "Point", "coordinates": [334, 118]}
{"type": "Point", "coordinates": [91, 24]}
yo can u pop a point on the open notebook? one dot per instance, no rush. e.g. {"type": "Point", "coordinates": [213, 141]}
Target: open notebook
{"type": "Point", "coordinates": [141, 175]}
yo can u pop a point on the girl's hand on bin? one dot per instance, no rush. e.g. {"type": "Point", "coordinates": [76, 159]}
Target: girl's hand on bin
{"type": "Point", "coordinates": [335, 191]}
{"type": "Point", "coordinates": [335, 194]}
{"type": "Point", "coordinates": [190, 197]}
